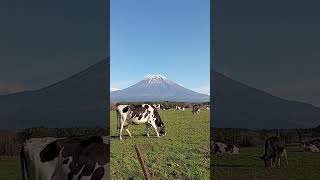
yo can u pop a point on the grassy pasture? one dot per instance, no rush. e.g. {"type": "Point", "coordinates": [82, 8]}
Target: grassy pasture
{"type": "Point", "coordinates": [182, 154]}
{"type": "Point", "coordinates": [10, 168]}
{"type": "Point", "coordinates": [248, 166]}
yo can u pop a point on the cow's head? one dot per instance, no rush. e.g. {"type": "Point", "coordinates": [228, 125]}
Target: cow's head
{"type": "Point", "coordinates": [159, 123]}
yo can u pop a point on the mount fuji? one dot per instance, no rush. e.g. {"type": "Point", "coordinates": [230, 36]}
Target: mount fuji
{"type": "Point", "coordinates": [156, 88]}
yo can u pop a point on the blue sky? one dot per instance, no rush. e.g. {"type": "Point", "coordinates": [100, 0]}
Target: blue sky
{"type": "Point", "coordinates": [168, 37]}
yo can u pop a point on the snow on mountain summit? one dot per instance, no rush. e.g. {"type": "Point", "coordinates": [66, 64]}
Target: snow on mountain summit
{"type": "Point", "coordinates": [156, 79]}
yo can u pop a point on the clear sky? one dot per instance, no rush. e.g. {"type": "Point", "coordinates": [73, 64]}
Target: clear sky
{"type": "Point", "coordinates": [168, 37]}
{"type": "Point", "coordinates": [42, 42]}
{"type": "Point", "coordinates": [271, 45]}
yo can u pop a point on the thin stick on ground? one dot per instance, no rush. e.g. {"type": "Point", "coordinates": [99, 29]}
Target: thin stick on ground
{"type": "Point", "coordinates": [145, 170]}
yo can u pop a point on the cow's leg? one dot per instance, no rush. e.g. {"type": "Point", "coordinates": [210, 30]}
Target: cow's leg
{"type": "Point", "coordinates": [285, 156]}
{"type": "Point", "coordinates": [279, 161]}
{"type": "Point", "coordinates": [126, 128]}
{"type": "Point", "coordinates": [155, 128]}
{"type": "Point", "coordinates": [121, 128]}
{"type": "Point", "coordinates": [147, 128]}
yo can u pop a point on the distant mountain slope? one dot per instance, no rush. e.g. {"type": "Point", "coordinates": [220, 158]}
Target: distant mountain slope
{"type": "Point", "coordinates": [237, 105]}
{"type": "Point", "coordinates": [80, 100]}
{"type": "Point", "coordinates": [157, 88]}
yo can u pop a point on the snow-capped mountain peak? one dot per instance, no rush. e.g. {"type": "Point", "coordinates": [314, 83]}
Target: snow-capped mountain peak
{"type": "Point", "coordinates": [156, 79]}
{"type": "Point", "coordinates": [156, 88]}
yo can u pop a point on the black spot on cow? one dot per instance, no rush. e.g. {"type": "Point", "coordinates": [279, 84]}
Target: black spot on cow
{"type": "Point", "coordinates": [146, 115]}
{"type": "Point", "coordinates": [85, 153]}
{"type": "Point", "coordinates": [140, 117]}
{"type": "Point", "coordinates": [146, 106]}
{"type": "Point", "coordinates": [137, 111]}
{"type": "Point", "coordinates": [50, 152]}
{"type": "Point", "coordinates": [98, 174]}
{"type": "Point", "coordinates": [125, 109]}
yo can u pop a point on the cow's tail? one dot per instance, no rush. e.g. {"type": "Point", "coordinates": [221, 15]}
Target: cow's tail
{"type": "Point", "coordinates": [118, 119]}
{"type": "Point", "coordinates": [23, 163]}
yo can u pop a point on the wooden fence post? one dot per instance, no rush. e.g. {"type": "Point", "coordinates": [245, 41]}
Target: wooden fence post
{"type": "Point", "coordinates": [145, 170]}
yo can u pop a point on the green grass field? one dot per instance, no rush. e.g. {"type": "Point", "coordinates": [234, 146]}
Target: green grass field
{"type": "Point", "coordinates": [248, 166]}
{"type": "Point", "coordinates": [10, 168]}
{"type": "Point", "coordinates": [182, 154]}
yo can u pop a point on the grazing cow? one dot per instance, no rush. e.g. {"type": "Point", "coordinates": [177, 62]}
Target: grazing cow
{"type": "Point", "coordinates": [274, 150]}
{"type": "Point", "coordinates": [139, 114]}
{"type": "Point", "coordinates": [78, 158]}
{"type": "Point", "coordinates": [221, 148]}
{"type": "Point", "coordinates": [195, 109]}
{"type": "Point", "coordinates": [208, 108]}
{"type": "Point", "coordinates": [311, 148]}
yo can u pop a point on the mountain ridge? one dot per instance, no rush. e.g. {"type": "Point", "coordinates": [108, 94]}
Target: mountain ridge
{"type": "Point", "coordinates": [77, 101]}
{"type": "Point", "coordinates": [157, 88]}
{"type": "Point", "coordinates": [241, 106]}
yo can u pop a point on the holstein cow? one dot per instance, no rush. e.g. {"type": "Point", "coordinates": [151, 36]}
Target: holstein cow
{"type": "Point", "coordinates": [195, 109]}
{"type": "Point", "coordinates": [180, 108]}
{"type": "Point", "coordinates": [221, 148]}
{"type": "Point", "coordinates": [311, 148]}
{"type": "Point", "coordinates": [139, 114]}
{"type": "Point", "coordinates": [79, 158]}
{"type": "Point", "coordinates": [274, 150]}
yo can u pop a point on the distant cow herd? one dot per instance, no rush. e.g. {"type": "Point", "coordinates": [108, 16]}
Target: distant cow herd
{"type": "Point", "coordinates": [275, 150]}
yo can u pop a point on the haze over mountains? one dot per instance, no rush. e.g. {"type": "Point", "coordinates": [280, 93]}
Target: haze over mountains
{"type": "Point", "coordinates": [237, 105]}
{"type": "Point", "coordinates": [156, 88]}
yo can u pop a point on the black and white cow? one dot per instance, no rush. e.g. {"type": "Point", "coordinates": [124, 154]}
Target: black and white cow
{"type": "Point", "coordinates": [274, 150]}
{"type": "Point", "coordinates": [195, 109]}
{"type": "Point", "coordinates": [310, 147]}
{"type": "Point", "coordinates": [179, 108]}
{"type": "Point", "coordinates": [157, 106]}
{"type": "Point", "coordinates": [222, 148]}
{"type": "Point", "coordinates": [79, 158]}
{"type": "Point", "coordinates": [139, 114]}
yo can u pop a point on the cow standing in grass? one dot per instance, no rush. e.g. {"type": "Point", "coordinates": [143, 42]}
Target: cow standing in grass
{"type": "Point", "coordinates": [274, 150]}
{"type": "Point", "coordinates": [196, 109]}
{"type": "Point", "coordinates": [139, 114]}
